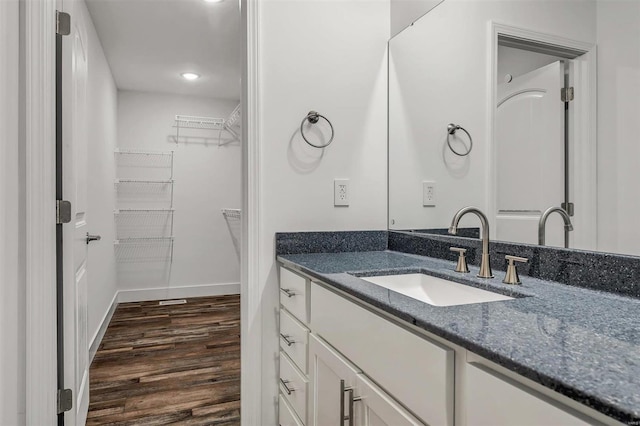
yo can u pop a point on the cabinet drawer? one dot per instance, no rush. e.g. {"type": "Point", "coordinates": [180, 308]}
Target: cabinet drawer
{"type": "Point", "coordinates": [415, 371]}
{"type": "Point", "coordinates": [286, 416]}
{"type": "Point", "coordinates": [494, 400]}
{"type": "Point", "coordinates": [293, 386]}
{"type": "Point", "coordinates": [293, 294]}
{"type": "Point", "coordinates": [294, 339]}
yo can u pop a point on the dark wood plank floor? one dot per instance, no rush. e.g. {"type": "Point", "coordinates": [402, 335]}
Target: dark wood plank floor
{"type": "Point", "coordinates": [177, 364]}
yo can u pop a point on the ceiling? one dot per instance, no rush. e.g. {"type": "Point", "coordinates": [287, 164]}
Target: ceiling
{"type": "Point", "coordinates": [149, 43]}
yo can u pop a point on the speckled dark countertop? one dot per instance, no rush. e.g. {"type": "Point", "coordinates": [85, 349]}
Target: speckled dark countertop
{"type": "Point", "coordinates": [582, 343]}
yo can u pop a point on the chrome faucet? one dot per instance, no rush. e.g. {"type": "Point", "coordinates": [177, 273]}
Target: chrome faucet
{"type": "Point", "coordinates": [543, 222]}
{"type": "Point", "coordinates": [485, 266]}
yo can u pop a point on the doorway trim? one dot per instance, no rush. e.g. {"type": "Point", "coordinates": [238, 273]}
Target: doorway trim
{"type": "Point", "coordinates": [583, 162]}
{"type": "Point", "coordinates": [39, 139]}
{"type": "Point", "coordinates": [250, 295]}
{"type": "Point", "coordinates": [11, 219]}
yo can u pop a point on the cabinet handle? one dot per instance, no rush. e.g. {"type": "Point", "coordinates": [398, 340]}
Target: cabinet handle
{"type": "Point", "coordinates": [342, 391]}
{"type": "Point", "coordinates": [352, 399]}
{"type": "Point", "coordinates": [288, 292]}
{"type": "Point", "coordinates": [286, 339]}
{"type": "Point", "coordinates": [287, 388]}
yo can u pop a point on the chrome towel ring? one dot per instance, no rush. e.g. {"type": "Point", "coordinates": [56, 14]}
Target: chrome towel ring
{"type": "Point", "coordinates": [313, 117]}
{"type": "Point", "coordinates": [451, 130]}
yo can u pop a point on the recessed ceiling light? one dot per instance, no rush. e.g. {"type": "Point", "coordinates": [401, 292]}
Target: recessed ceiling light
{"type": "Point", "coordinates": [190, 76]}
{"type": "Point", "coordinates": [213, 1]}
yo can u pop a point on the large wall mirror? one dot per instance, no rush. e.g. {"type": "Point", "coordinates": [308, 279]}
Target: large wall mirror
{"type": "Point", "coordinates": [516, 107]}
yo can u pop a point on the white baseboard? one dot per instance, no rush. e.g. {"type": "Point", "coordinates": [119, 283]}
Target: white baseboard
{"type": "Point", "coordinates": [106, 319]}
{"type": "Point", "coordinates": [164, 293]}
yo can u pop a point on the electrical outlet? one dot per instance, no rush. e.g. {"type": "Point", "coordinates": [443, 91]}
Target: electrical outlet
{"type": "Point", "coordinates": [340, 192]}
{"type": "Point", "coordinates": [429, 194]}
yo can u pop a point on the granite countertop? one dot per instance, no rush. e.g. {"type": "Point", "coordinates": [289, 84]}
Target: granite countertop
{"type": "Point", "coordinates": [582, 343]}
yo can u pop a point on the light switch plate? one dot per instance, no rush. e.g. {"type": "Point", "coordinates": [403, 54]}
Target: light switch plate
{"type": "Point", "coordinates": [428, 193]}
{"type": "Point", "coordinates": [341, 192]}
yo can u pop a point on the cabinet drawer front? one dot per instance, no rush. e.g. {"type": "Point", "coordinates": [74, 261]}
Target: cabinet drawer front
{"type": "Point", "coordinates": [493, 400]}
{"type": "Point", "coordinates": [293, 386]}
{"type": "Point", "coordinates": [286, 416]}
{"type": "Point", "coordinates": [293, 294]}
{"type": "Point", "coordinates": [294, 339]}
{"type": "Point", "coordinates": [415, 371]}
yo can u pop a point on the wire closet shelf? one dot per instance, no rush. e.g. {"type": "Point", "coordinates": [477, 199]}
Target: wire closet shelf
{"type": "Point", "coordinates": [144, 233]}
{"type": "Point", "coordinates": [229, 125]}
{"type": "Point", "coordinates": [232, 213]}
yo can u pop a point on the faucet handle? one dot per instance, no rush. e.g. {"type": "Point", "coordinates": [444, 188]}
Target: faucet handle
{"type": "Point", "coordinates": [511, 277]}
{"type": "Point", "coordinates": [462, 259]}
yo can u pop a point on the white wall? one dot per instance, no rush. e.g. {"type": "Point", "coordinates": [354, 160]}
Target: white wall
{"type": "Point", "coordinates": [406, 12]}
{"type": "Point", "coordinates": [12, 278]}
{"type": "Point", "coordinates": [101, 128]}
{"type": "Point", "coordinates": [328, 56]}
{"type": "Point", "coordinates": [207, 179]}
{"type": "Point", "coordinates": [434, 83]}
{"type": "Point", "coordinates": [618, 125]}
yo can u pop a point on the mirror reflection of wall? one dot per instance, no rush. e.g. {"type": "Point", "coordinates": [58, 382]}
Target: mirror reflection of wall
{"type": "Point", "coordinates": [497, 68]}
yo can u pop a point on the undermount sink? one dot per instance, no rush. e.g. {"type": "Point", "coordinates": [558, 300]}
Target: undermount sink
{"type": "Point", "coordinates": [435, 291]}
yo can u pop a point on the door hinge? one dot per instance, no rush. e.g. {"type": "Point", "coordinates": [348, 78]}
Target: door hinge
{"type": "Point", "coordinates": [65, 400]}
{"type": "Point", "coordinates": [568, 207]}
{"type": "Point", "coordinates": [63, 212]}
{"type": "Point", "coordinates": [566, 94]}
{"type": "Point", "coordinates": [63, 23]}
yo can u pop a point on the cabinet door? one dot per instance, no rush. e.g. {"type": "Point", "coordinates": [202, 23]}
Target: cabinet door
{"type": "Point", "coordinates": [331, 377]}
{"type": "Point", "coordinates": [376, 408]}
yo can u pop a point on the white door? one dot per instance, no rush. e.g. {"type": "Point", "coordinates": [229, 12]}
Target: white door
{"type": "Point", "coordinates": [378, 409]}
{"type": "Point", "coordinates": [75, 176]}
{"type": "Point", "coordinates": [328, 370]}
{"type": "Point", "coordinates": [530, 155]}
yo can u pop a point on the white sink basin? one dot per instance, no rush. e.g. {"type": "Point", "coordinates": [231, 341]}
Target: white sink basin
{"type": "Point", "coordinates": [435, 291]}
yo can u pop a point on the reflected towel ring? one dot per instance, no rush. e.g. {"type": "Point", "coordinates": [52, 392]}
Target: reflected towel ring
{"type": "Point", "coordinates": [313, 118]}
{"type": "Point", "coordinates": [451, 130]}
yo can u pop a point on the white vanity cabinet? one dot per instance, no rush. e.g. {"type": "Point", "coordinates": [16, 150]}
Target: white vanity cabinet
{"type": "Point", "coordinates": [344, 363]}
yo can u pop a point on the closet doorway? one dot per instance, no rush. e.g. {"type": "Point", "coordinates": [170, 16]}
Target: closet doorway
{"type": "Point", "coordinates": [149, 99]}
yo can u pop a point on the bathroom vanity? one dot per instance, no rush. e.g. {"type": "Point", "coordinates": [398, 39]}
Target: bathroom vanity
{"type": "Point", "coordinates": [541, 354]}
{"type": "Point", "coordinates": [378, 327]}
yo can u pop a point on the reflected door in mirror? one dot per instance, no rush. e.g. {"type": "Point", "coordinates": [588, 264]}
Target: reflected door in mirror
{"type": "Point", "coordinates": [530, 154]}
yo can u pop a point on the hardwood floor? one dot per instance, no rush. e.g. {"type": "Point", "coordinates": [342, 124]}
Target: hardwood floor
{"type": "Point", "coordinates": [175, 364]}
